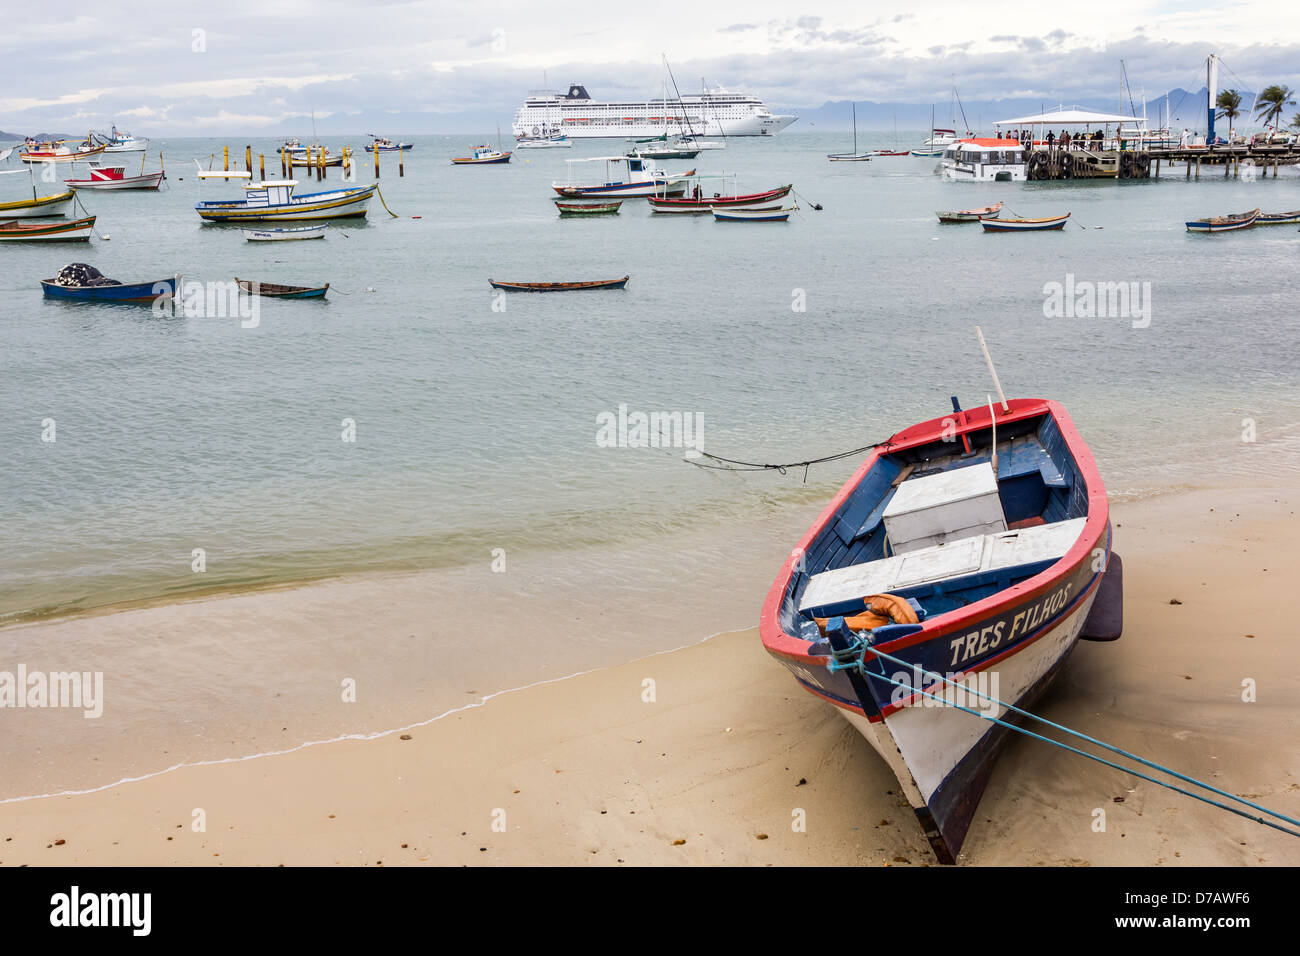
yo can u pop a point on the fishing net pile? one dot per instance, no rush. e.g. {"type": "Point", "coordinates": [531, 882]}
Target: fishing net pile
{"type": "Point", "coordinates": [78, 275]}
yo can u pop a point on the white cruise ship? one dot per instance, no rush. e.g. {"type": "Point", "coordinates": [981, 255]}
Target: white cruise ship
{"type": "Point", "coordinates": [715, 112]}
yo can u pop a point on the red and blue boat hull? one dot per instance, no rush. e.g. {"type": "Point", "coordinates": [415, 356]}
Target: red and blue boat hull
{"type": "Point", "coordinates": [1005, 634]}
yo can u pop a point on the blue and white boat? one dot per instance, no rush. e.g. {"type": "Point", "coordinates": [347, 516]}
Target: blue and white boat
{"type": "Point", "coordinates": [134, 292]}
{"type": "Point", "coordinates": [285, 235]}
{"type": "Point", "coordinates": [734, 214]}
{"type": "Point", "coordinates": [956, 569]}
{"type": "Point", "coordinates": [624, 176]}
{"type": "Point", "coordinates": [274, 201]}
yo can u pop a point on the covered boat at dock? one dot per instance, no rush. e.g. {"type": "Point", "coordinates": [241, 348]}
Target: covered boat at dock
{"type": "Point", "coordinates": [941, 565]}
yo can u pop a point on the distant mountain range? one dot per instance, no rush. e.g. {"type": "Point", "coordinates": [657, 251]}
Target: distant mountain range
{"type": "Point", "coordinates": [43, 137]}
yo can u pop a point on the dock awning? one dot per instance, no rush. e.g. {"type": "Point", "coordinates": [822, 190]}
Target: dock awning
{"type": "Point", "coordinates": [1071, 117]}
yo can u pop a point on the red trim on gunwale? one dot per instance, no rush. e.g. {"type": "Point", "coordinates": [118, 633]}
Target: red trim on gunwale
{"type": "Point", "coordinates": [780, 644]}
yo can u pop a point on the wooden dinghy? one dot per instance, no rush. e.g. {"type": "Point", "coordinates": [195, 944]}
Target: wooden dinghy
{"type": "Point", "coordinates": [274, 291]}
{"type": "Point", "coordinates": [284, 235]}
{"type": "Point", "coordinates": [560, 286]}
{"type": "Point", "coordinates": [109, 290]}
{"type": "Point", "coordinates": [753, 215]}
{"type": "Point", "coordinates": [768, 199]}
{"type": "Point", "coordinates": [73, 230]}
{"type": "Point", "coordinates": [971, 215]}
{"type": "Point", "coordinates": [568, 209]}
{"type": "Point", "coordinates": [1278, 218]}
{"type": "Point", "coordinates": [1024, 225]}
{"type": "Point", "coordinates": [940, 567]}
{"type": "Point", "coordinates": [1241, 220]}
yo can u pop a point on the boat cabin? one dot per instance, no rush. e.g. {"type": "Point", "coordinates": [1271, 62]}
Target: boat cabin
{"type": "Point", "coordinates": [985, 160]}
{"type": "Point", "coordinates": [271, 192]}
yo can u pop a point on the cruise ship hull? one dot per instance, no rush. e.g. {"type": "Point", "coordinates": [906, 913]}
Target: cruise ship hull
{"type": "Point", "coordinates": [713, 113]}
{"type": "Point", "coordinates": [583, 129]}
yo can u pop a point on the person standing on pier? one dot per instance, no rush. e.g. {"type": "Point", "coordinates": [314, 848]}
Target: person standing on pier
{"type": "Point", "coordinates": [1182, 140]}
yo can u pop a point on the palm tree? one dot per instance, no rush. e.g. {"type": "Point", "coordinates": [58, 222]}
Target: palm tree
{"type": "Point", "coordinates": [1272, 101]}
{"type": "Point", "coordinates": [1295, 121]}
{"type": "Point", "coordinates": [1229, 106]}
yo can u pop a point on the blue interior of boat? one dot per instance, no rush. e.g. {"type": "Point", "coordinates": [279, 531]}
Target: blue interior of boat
{"type": "Point", "coordinates": [1038, 482]}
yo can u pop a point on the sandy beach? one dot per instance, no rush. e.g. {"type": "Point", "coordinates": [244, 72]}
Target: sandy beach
{"type": "Point", "coordinates": [712, 755]}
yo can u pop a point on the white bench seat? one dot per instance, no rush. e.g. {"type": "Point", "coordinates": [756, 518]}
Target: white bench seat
{"type": "Point", "coordinates": [955, 559]}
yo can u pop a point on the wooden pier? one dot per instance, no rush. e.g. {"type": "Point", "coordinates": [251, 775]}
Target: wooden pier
{"type": "Point", "coordinates": [1054, 162]}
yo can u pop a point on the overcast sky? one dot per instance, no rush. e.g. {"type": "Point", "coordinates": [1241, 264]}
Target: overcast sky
{"type": "Point", "coordinates": [238, 66]}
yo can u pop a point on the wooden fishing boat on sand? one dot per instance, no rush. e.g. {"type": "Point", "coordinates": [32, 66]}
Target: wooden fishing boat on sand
{"type": "Point", "coordinates": [570, 209]}
{"type": "Point", "coordinates": [72, 230]}
{"type": "Point", "coordinates": [273, 291]}
{"type": "Point", "coordinates": [560, 286]}
{"type": "Point", "coordinates": [1241, 220]}
{"type": "Point", "coordinates": [1025, 225]}
{"type": "Point", "coordinates": [971, 215]}
{"type": "Point", "coordinates": [955, 569]}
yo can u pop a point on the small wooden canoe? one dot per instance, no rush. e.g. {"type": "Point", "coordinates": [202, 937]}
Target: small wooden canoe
{"type": "Point", "coordinates": [1278, 218]}
{"type": "Point", "coordinates": [768, 199]}
{"type": "Point", "coordinates": [1024, 225]}
{"type": "Point", "coordinates": [284, 235]}
{"type": "Point", "coordinates": [271, 290]}
{"type": "Point", "coordinates": [73, 230]}
{"type": "Point", "coordinates": [587, 209]}
{"type": "Point", "coordinates": [560, 286]}
{"type": "Point", "coordinates": [849, 157]}
{"type": "Point", "coordinates": [971, 215]}
{"type": "Point", "coordinates": [135, 292]}
{"type": "Point", "coordinates": [1241, 220]}
{"type": "Point", "coordinates": [753, 215]}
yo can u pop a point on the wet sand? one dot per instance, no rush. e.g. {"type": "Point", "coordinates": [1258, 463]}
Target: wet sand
{"type": "Point", "coordinates": [730, 753]}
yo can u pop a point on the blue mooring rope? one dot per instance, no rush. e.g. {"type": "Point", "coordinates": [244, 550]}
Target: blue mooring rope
{"type": "Point", "coordinates": [853, 658]}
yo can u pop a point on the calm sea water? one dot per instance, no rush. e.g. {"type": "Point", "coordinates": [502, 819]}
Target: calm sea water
{"type": "Point", "coordinates": [476, 426]}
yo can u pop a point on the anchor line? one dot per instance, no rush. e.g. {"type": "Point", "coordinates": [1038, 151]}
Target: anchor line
{"type": "Point", "coordinates": [728, 463]}
{"type": "Point", "coordinates": [76, 197]}
{"type": "Point", "coordinates": [380, 193]}
{"type": "Point", "coordinates": [841, 661]}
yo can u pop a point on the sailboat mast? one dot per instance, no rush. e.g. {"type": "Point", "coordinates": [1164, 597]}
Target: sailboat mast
{"type": "Point", "coordinates": [855, 129]}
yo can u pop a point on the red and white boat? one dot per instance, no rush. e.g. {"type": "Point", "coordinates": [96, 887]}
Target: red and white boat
{"type": "Point", "coordinates": [57, 153]}
{"type": "Point", "coordinates": [114, 177]}
{"type": "Point", "coordinates": [949, 578]}
{"type": "Point", "coordinates": [700, 204]}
